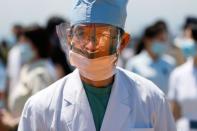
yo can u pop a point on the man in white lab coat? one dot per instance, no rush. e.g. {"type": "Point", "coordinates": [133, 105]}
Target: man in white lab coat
{"type": "Point", "coordinates": [97, 96]}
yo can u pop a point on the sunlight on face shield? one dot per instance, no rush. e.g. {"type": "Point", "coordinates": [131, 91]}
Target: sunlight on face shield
{"type": "Point", "coordinates": [94, 40]}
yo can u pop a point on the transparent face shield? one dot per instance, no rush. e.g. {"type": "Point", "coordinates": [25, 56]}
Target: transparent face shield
{"type": "Point", "coordinates": [90, 40]}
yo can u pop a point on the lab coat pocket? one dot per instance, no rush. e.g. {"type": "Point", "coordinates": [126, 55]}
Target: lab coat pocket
{"type": "Point", "coordinates": [68, 116]}
{"type": "Point", "coordinates": [142, 129]}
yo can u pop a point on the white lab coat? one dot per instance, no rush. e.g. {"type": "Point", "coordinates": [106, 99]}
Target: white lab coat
{"type": "Point", "coordinates": [135, 104]}
{"type": "Point", "coordinates": [183, 89]}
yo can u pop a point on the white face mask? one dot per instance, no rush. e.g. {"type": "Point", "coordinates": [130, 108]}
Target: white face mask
{"type": "Point", "coordinates": [96, 69]}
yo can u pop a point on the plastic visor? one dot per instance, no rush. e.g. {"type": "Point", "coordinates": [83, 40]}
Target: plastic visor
{"type": "Point", "coordinates": [90, 40]}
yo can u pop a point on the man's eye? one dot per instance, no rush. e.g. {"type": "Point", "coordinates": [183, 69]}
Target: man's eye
{"type": "Point", "coordinates": [79, 34]}
{"type": "Point", "coordinates": [109, 36]}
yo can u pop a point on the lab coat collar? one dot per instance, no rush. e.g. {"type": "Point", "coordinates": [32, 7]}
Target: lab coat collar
{"type": "Point", "coordinates": [119, 106]}
{"type": "Point", "coordinates": [75, 95]}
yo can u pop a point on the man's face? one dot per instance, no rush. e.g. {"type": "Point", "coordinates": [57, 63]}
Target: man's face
{"type": "Point", "coordinates": [94, 40]}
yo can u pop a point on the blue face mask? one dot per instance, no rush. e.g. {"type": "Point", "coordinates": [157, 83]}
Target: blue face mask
{"type": "Point", "coordinates": [27, 53]}
{"type": "Point", "coordinates": [11, 39]}
{"type": "Point", "coordinates": [189, 49]}
{"type": "Point", "coordinates": [159, 48]}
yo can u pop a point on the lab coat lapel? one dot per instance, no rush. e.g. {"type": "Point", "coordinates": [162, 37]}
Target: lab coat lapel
{"type": "Point", "coordinates": [119, 106]}
{"type": "Point", "coordinates": [79, 115]}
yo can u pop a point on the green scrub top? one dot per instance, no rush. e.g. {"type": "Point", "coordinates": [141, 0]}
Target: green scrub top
{"type": "Point", "coordinates": [98, 99]}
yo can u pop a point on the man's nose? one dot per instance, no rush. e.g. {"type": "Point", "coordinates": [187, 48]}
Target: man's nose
{"type": "Point", "coordinates": [91, 44]}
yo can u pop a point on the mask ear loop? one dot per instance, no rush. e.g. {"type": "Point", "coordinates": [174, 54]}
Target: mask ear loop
{"type": "Point", "coordinates": [61, 31]}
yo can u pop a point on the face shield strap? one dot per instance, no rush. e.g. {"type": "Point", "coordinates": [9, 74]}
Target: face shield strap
{"type": "Point", "coordinates": [119, 42]}
{"type": "Point", "coordinates": [62, 30]}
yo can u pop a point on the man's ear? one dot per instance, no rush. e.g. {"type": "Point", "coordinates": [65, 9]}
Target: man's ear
{"type": "Point", "coordinates": [124, 41]}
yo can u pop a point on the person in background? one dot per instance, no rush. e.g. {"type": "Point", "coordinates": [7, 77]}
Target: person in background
{"type": "Point", "coordinates": [172, 49]}
{"type": "Point", "coordinates": [183, 43]}
{"type": "Point", "coordinates": [35, 75]}
{"type": "Point", "coordinates": [183, 89]}
{"type": "Point", "coordinates": [3, 78]}
{"type": "Point", "coordinates": [4, 49]}
{"type": "Point", "coordinates": [57, 55]}
{"type": "Point", "coordinates": [151, 61]}
{"type": "Point", "coordinates": [3, 73]}
{"type": "Point", "coordinates": [15, 60]}
{"type": "Point", "coordinates": [97, 96]}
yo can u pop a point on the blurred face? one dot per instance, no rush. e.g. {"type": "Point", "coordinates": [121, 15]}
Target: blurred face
{"type": "Point", "coordinates": [94, 40]}
{"type": "Point", "coordinates": [188, 33]}
{"type": "Point", "coordinates": [27, 50]}
{"type": "Point", "coordinates": [24, 40]}
{"type": "Point", "coordinates": [158, 45]}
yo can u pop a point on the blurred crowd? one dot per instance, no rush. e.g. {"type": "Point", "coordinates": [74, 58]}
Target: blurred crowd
{"type": "Point", "coordinates": [36, 60]}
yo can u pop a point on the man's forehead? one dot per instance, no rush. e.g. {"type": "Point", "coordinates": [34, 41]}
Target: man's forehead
{"type": "Point", "coordinates": [97, 26]}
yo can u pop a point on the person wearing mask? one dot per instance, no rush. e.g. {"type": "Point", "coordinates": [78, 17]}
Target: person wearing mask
{"type": "Point", "coordinates": [183, 43]}
{"type": "Point", "coordinates": [151, 60]}
{"type": "Point", "coordinates": [3, 73]}
{"type": "Point", "coordinates": [183, 90]}
{"type": "Point", "coordinates": [58, 57]}
{"type": "Point", "coordinates": [15, 60]}
{"type": "Point", "coordinates": [37, 74]}
{"type": "Point", "coordinates": [97, 96]}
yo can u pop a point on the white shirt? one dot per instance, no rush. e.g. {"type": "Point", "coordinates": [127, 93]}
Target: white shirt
{"type": "Point", "coordinates": [183, 89]}
{"type": "Point", "coordinates": [157, 71]}
{"type": "Point", "coordinates": [14, 66]}
{"type": "Point", "coordinates": [135, 104]}
{"type": "Point", "coordinates": [33, 78]}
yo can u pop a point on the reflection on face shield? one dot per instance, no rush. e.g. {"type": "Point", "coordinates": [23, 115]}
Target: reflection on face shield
{"type": "Point", "coordinates": [94, 40]}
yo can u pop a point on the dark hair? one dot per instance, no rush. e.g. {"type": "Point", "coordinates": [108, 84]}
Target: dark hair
{"type": "Point", "coordinates": [194, 31]}
{"type": "Point", "coordinates": [39, 38]}
{"type": "Point", "coordinates": [57, 54]}
{"type": "Point", "coordinates": [189, 21]}
{"type": "Point", "coordinates": [150, 32]}
{"type": "Point", "coordinates": [53, 22]}
{"type": "Point", "coordinates": [162, 25]}
{"type": "Point", "coordinates": [17, 30]}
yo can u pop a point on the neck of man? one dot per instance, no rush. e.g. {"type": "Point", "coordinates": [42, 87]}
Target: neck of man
{"type": "Point", "coordinates": [98, 84]}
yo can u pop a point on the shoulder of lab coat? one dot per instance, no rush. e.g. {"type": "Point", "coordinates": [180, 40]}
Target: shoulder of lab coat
{"type": "Point", "coordinates": [37, 107]}
{"type": "Point", "coordinates": [40, 109]}
{"type": "Point", "coordinates": [153, 98]}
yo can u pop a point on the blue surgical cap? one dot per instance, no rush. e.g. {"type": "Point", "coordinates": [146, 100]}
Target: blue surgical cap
{"type": "Point", "coordinates": [111, 12]}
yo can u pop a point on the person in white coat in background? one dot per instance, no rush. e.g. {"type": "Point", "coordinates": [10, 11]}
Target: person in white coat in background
{"type": "Point", "coordinates": [183, 89]}
{"type": "Point", "coordinates": [152, 60]}
{"type": "Point", "coordinates": [97, 96]}
{"type": "Point", "coordinates": [35, 75]}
